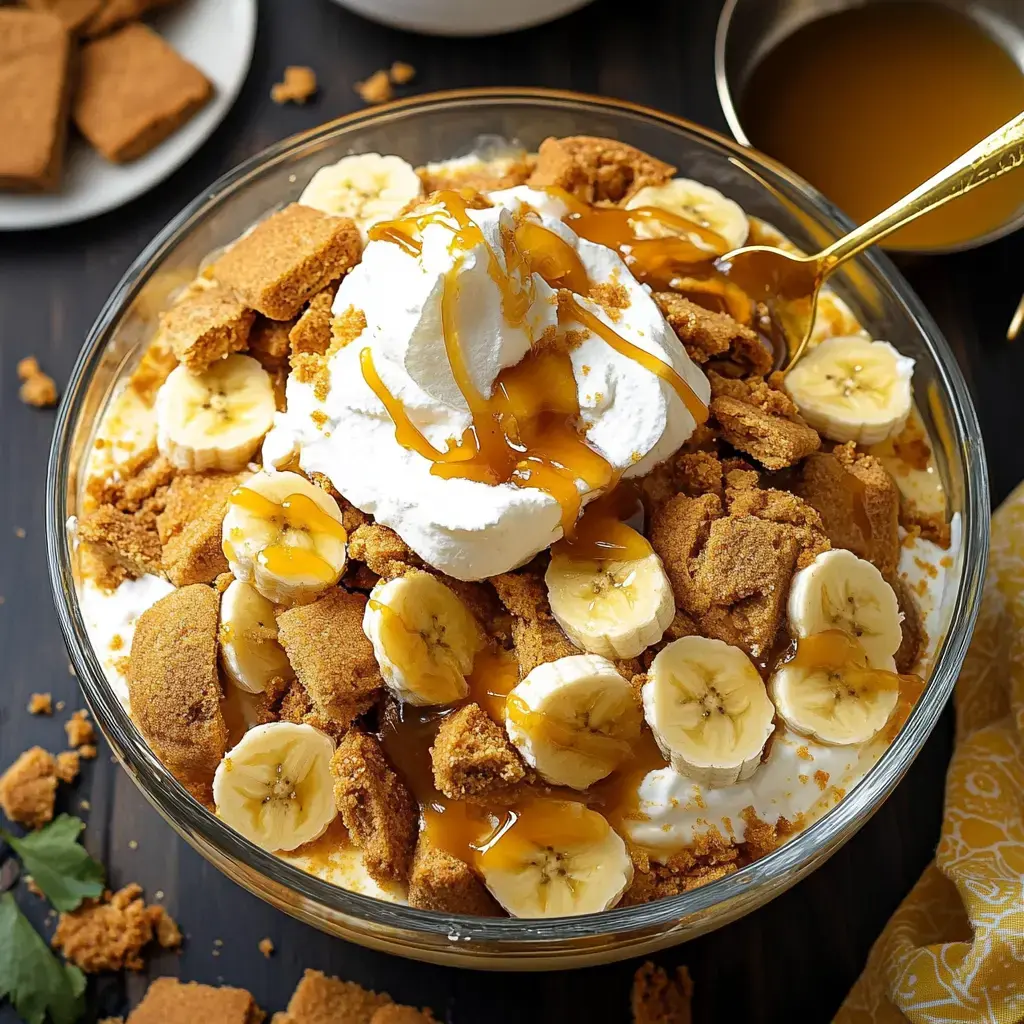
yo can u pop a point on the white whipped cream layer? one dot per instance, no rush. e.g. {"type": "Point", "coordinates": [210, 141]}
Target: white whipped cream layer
{"type": "Point", "coordinates": [466, 529]}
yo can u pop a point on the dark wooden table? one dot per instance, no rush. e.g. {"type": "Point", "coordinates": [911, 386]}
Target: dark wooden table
{"type": "Point", "coordinates": [796, 957]}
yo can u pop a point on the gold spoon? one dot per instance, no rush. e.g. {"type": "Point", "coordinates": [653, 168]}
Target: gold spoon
{"type": "Point", "coordinates": [790, 283]}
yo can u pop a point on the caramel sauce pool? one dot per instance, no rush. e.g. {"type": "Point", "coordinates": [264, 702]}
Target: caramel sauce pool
{"type": "Point", "coordinates": [870, 102]}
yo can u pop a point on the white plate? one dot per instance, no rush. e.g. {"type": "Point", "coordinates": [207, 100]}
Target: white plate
{"type": "Point", "coordinates": [215, 35]}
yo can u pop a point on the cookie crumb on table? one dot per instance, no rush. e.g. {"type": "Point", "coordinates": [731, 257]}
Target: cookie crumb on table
{"type": "Point", "coordinates": [79, 729]}
{"type": "Point", "coordinates": [266, 947]}
{"type": "Point", "coordinates": [298, 85]}
{"type": "Point", "coordinates": [169, 1001]}
{"type": "Point", "coordinates": [37, 388]}
{"type": "Point", "coordinates": [69, 764]}
{"type": "Point", "coordinates": [376, 88]}
{"type": "Point", "coordinates": [40, 704]}
{"type": "Point", "coordinates": [29, 787]}
{"type": "Point", "coordinates": [660, 999]}
{"type": "Point", "coordinates": [321, 998]}
{"type": "Point", "coordinates": [401, 73]}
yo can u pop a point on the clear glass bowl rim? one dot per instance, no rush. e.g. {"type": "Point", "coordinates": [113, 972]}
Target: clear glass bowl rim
{"type": "Point", "coordinates": [190, 819]}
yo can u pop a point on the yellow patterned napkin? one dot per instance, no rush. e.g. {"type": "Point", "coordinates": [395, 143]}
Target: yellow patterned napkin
{"type": "Point", "coordinates": [954, 950]}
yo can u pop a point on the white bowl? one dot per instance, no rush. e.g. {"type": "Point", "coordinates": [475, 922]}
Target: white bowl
{"type": "Point", "coordinates": [462, 17]}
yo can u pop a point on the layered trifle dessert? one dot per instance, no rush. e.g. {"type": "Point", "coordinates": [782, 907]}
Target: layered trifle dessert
{"type": "Point", "coordinates": [456, 539]}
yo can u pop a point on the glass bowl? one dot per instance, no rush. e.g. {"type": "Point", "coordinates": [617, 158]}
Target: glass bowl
{"type": "Point", "coordinates": [437, 127]}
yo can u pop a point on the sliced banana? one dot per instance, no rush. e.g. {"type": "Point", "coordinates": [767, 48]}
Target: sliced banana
{"type": "Point", "coordinates": [615, 609]}
{"type": "Point", "coordinates": [249, 650]}
{"type": "Point", "coordinates": [556, 858]}
{"type": "Point", "coordinates": [215, 419]}
{"type": "Point", "coordinates": [695, 201]}
{"type": "Point", "coordinates": [573, 719]}
{"type": "Point", "coordinates": [853, 389]}
{"type": "Point", "coordinates": [708, 709]}
{"type": "Point", "coordinates": [284, 535]}
{"type": "Point", "coordinates": [367, 187]}
{"type": "Point", "coordinates": [829, 692]}
{"type": "Point", "coordinates": [275, 786]}
{"type": "Point", "coordinates": [424, 637]}
{"type": "Point", "coordinates": [838, 590]}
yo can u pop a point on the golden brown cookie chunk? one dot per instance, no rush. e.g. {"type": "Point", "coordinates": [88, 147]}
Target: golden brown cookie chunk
{"type": "Point", "coordinates": [134, 91]}
{"type": "Point", "coordinates": [190, 526]}
{"type": "Point", "coordinates": [114, 13]}
{"type": "Point", "coordinates": [298, 85]}
{"type": "Point", "coordinates": [714, 338]}
{"type": "Point", "coordinates": [523, 592]}
{"type": "Point", "coordinates": [761, 420]}
{"type": "Point", "coordinates": [37, 388]}
{"type": "Point", "coordinates": [40, 704]}
{"type": "Point", "coordinates": [486, 176]}
{"type": "Point", "coordinates": [932, 526]}
{"type": "Point", "coordinates": [174, 687]}
{"type": "Point", "coordinates": [401, 73]}
{"type": "Point", "coordinates": [442, 882]}
{"type": "Point", "coordinates": [287, 258]}
{"type": "Point", "coordinates": [269, 343]}
{"type": "Point", "coordinates": [382, 550]}
{"type": "Point", "coordinates": [29, 787]}
{"type": "Point", "coordinates": [72, 13]}
{"type": "Point", "coordinates": [538, 641]}
{"type": "Point", "coordinates": [206, 325]}
{"type": "Point", "coordinates": [319, 999]}
{"type": "Point", "coordinates": [35, 89]}
{"type": "Point", "coordinates": [170, 1001]}
{"type": "Point", "coordinates": [376, 88]}
{"type": "Point", "coordinates": [79, 730]}
{"type": "Point", "coordinates": [658, 999]}
{"type": "Point", "coordinates": [139, 484]}
{"type": "Point", "coordinates": [395, 1014]}
{"type": "Point", "coordinates": [915, 637]}
{"type": "Point", "coordinates": [471, 755]}
{"type": "Point", "coordinates": [376, 807]}
{"type": "Point", "coordinates": [331, 655]}
{"type": "Point", "coordinates": [69, 763]}
{"type": "Point", "coordinates": [122, 539]}
{"type": "Point", "coordinates": [596, 170]}
{"type": "Point", "coordinates": [311, 334]}
{"type": "Point", "coordinates": [678, 531]}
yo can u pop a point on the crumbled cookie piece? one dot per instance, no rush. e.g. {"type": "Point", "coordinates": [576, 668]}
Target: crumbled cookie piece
{"type": "Point", "coordinates": [596, 170]}
{"type": "Point", "coordinates": [298, 85]}
{"type": "Point", "coordinates": [472, 755]}
{"type": "Point", "coordinates": [678, 531]}
{"type": "Point", "coordinates": [69, 763]}
{"type": "Point", "coordinates": [657, 998]}
{"type": "Point", "coordinates": [311, 333]}
{"type": "Point", "coordinates": [287, 258]}
{"type": "Point", "coordinates": [133, 91]}
{"type": "Point", "coordinates": [439, 881]}
{"type": "Point", "coordinates": [36, 84]}
{"type": "Point", "coordinates": [269, 343]}
{"type": "Point", "coordinates": [121, 539]}
{"type": "Point", "coordinates": [319, 999]}
{"type": "Point", "coordinates": [395, 1014]}
{"type": "Point", "coordinates": [40, 704]}
{"type": "Point", "coordinates": [28, 788]}
{"type": "Point", "coordinates": [761, 420]}
{"type": "Point", "coordinates": [375, 89]}
{"type": "Point", "coordinates": [87, 750]}
{"type": "Point", "coordinates": [523, 592]}
{"type": "Point", "coordinates": [206, 325]}
{"type": "Point", "coordinates": [714, 338]}
{"type": "Point", "coordinates": [379, 812]}
{"type": "Point", "coordinates": [331, 655]}
{"type": "Point", "coordinates": [401, 73]}
{"type": "Point", "coordinates": [189, 527]}
{"type": "Point", "coordinates": [109, 934]}
{"type": "Point", "coordinates": [73, 13]}
{"type": "Point", "coordinates": [37, 388]}
{"type": "Point", "coordinates": [538, 641]}
{"type": "Point", "coordinates": [932, 526]}
{"type": "Point", "coordinates": [138, 485]}
{"type": "Point", "coordinates": [170, 1001]}
{"type": "Point", "coordinates": [266, 947]}
{"type": "Point", "coordinates": [114, 13]}
{"type": "Point", "coordinates": [711, 857]}
{"type": "Point", "coordinates": [174, 686]}
{"type": "Point", "coordinates": [915, 637]}
{"type": "Point", "coordinates": [382, 550]}
{"type": "Point", "coordinates": [79, 729]}
{"type": "Point", "coordinates": [485, 176]}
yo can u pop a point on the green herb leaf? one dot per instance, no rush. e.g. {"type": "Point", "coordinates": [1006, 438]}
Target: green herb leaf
{"type": "Point", "coordinates": [58, 863]}
{"type": "Point", "coordinates": [34, 980]}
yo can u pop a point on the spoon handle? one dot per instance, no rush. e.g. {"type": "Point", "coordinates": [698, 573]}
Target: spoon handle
{"type": "Point", "coordinates": [999, 153]}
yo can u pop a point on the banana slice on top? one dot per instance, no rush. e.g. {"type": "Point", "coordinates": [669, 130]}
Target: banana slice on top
{"type": "Point", "coordinates": [275, 785]}
{"type": "Point", "coordinates": [284, 535]}
{"type": "Point", "coordinates": [556, 858]}
{"type": "Point", "coordinates": [613, 608]}
{"type": "Point", "coordinates": [424, 637]}
{"type": "Point", "coordinates": [708, 709]}
{"type": "Point", "coordinates": [696, 202]}
{"type": "Point", "coordinates": [573, 719]}
{"type": "Point", "coordinates": [838, 590]}
{"type": "Point", "coordinates": [215, 419]}
{"type": "Point", "coordinates": [853, 389]}
{"type": "Point", "coordinates": [249, 650]}
{"type": "Point", "coordinates": [367, 187]}
{"type": "Point", "coordinates": [829, 692]}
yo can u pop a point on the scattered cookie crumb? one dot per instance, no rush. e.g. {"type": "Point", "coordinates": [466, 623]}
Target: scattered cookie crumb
{"type": "Point", "coordinates": [80, 731]}
{"type": "Point", "coordinates": [37, 388]}
{"type": "Point", "coordinates": [30, 884]}
{"type": "Point", "coordinates": [376, 88]}
{"type": "Point", "coordinates": [40, 704]}
{"type": "Point", "coordinates": [401, 73]}
{"type": "Point", "coordinates": [29, 787]}
{"type": "Point", "coordinates": [88, 751]}
{"type": "Point", "coordinates": [68, 765]}
{"type": "Point", "coordinates": [19, 532]}
{"type": "Point", "coordinates": [298, 85]}
{"type": "Point", "coordinates": [84, 805]}
{"type": "Point", "coordinates": [266, 947]}
{"type": "Point", "coordinates": [133, 844]}
{"type": "Point", "coordinates": [659, 999]}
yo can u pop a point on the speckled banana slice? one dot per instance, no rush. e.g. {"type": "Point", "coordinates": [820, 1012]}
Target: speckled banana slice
{"type": "Point", "coordinates": [695, 201]}
{"type": "Point", "coordinates": [829, 692]}
{"type": "Point", "coordinates": [615, 609]}
{"type": "Point", "coordinates": [708, 709]}
{"type": "Point", "coordinates": [275, 786]}
{"type": "Point", "coordinates": [284, 535]}
{"type": "Point", "coordinates": [853, 389]}
{"type": "Point", "coordinates": [573, 720]}
{"type": "Point", "coordinates": [367, 187]}
{"type": "Point", "coordinates": [424, 637]}
{"type": "Point", "coordinates": [249, 650]}
{"type": "Point", "coordinates": [838, 590]}
{"type": "Point", "coordinates": [215, 419]}
{"type": "Point", "coordinates": [556, 858]}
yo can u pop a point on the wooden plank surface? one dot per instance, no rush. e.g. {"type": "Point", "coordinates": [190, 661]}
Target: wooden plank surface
{"type": "Point", "coordinates": [794, 958]}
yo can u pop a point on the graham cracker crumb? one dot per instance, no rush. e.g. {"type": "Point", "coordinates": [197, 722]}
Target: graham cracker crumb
{"type": "Point", "coordinates": [79, 729]}
{"type": "Point", "coordinates": [382, 550]}
{"type": "Point", "coordinates": [472, 755]}
{"type": "Point", "coordinates": [29, 787]}
{"type": "Point", "coordinates": [536, 642]}
{"type": "Point", "coordinates": [170, 1001]}
{"type": "Point", "coordinates": [658, 999]}
{"type": "Point", "coordinates": [523, 592]}
{"type": "Point", "coordinates": [266, 947]}
{"type": "Point", "coordinates": [68, 765]}
{"type": "Point", "coordinates": [821, 778]}
{"type": "Point", "coordinates": [375, 89]}
{"type": "Point", "coordinates": [37, 388]}
{"type": "Point", "coordinates": [311, 333]}
{"type": "Point", "coordinates": [299, 85]}
{"type": "Point", "coordinates": [124, 541]}
{"type": "Point", "coordinates": [401, 73]}
{"type": "Point", "coordinates": [40, 704]}
{"type": "Point", "coordinates": [206, 325]}
{"type": "Point", "coordinates": [88, 751]}
{"type": "Point", "coordinates": [439, 881]}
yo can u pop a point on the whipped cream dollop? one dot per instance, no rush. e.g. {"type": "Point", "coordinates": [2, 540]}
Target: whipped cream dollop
{"type": "Point", "coordinates": [465, 528]}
